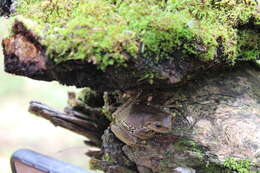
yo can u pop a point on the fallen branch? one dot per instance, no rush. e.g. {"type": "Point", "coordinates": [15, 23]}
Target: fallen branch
{"type": "Point", "coordinates": [68, 121]}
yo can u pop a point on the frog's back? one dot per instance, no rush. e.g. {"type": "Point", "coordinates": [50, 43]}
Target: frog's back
{"type": "Point", "coordinates": [137, 114]}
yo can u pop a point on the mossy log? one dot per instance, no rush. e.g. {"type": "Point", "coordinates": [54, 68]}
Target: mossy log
{"type": "Point", "coordinates": [25, 56]}
{"type": "Point", "coordinates": [215, 118]}
{"type": "Point", "coordinates": [177, 58]}
{"type": "Point", "coordinates": [103, 45]}
{"type": "Point", "coordinates": [215, 127]}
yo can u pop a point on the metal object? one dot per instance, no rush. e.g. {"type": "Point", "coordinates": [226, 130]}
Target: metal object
{"type": "Point", "coordinates": [28, 161]}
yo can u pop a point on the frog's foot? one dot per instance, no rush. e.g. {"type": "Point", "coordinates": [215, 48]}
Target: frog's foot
{"type": "Point", "coordinates": [124, 135]}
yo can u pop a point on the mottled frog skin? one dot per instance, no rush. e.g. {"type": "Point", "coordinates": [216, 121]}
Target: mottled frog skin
{"type": "Point", "coordinates": [135, 122]}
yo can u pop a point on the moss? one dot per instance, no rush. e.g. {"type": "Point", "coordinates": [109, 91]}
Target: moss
{"type": "Point", "coordinates": [213, 168]}
{"type": "Point", "coordinates": [239, 166]}
{"type": "Point", "coordinates": [230, 166]}
{"type": "Point", "coordinates": [91, 97]}
{"type": "Point", "coordinates": [248, 45]}
{"type": "Point", "coordinates": [94, 164]}
{"type": "Point", "coordinates": [184, 144]}
{"type": "Point", "coordinates": [109, 32]}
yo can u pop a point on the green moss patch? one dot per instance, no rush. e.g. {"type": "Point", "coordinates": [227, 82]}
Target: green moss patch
{"type": "Point", "coordinates": [239, 166]}
{"type": "Point", "coordinates": [110, 32]}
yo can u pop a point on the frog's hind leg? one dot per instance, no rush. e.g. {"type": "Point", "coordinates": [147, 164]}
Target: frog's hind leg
{"type": "Point", "coordinates": [123, 135]}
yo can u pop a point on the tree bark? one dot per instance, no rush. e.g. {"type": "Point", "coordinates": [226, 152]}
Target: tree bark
{"type": "Point", "coordinates": [215, 117]}
{"type": "Point", "coordinates": [216, 111]}
{"type": "Point", "coordinates": [25, 56]}
{"type": "Point", "coordinates": [71, 120]}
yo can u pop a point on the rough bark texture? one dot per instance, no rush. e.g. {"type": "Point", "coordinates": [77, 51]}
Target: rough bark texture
{"type": "Point", "coordinates": [25, 56]}
{"type": "Point", "coordinates": [215, 118]}
{"type": "Point", "coordinates": [215, 115]}
{"type": "Point", "coordinates": [80, 118]}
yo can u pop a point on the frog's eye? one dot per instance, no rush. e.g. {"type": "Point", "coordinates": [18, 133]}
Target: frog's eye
{"type": "Point", "coordinates": [157, 125]}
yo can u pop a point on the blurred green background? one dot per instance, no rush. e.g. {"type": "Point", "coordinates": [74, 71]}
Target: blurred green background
{"type": "Point", "coordinates": [20, 129]}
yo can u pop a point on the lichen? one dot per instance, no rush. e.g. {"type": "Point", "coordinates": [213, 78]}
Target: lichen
{"type": "Point", "coordinates": [109, 32]}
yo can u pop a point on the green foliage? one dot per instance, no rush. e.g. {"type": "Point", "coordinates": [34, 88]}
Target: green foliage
{"type": "Point", "coordinates": [110, 32]}
{"type": "Point", "coordinates": [214, 168]}
{"type": "Point", "coordinates": [239, 166]}
{"type": "Point", "coordinates": [248, 45]}
{"type": "Point", "coordinates": [91, 97]}
{"type": "Point", "coordinates": [187, 144]}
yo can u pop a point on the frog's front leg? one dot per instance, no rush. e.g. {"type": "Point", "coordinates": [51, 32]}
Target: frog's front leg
{"type": "Point", "coordinates": [124, 135]}
{"type": "Point", "coordinates": [144, 133]}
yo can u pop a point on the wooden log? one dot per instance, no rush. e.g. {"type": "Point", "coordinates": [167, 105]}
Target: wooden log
{"type": "Point", "coordinates": [216, 115]}
{"type": "Point", "coordinates": [215, 127]}
{"type": "Point", "coordinates": [71, 122]}
{"type": "Point", "coordinates": [25, 56]}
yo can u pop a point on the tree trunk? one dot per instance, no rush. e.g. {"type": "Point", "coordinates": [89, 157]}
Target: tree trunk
{"type": "Point", "coordinates": [215, 111]}
{"type": "Point", "coordinates": [216, 118]}
{"type": "Point", "coordinates": [24, 55]}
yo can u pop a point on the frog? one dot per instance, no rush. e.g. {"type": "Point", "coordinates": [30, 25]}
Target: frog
{"type": "Point", "coordinates": [134, 123]}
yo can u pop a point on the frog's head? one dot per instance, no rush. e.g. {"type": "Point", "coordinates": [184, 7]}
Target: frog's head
{"type": "Point", "coordinates": [153, 118]}
{"type": "Point", "coordinates": [161, 123]}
